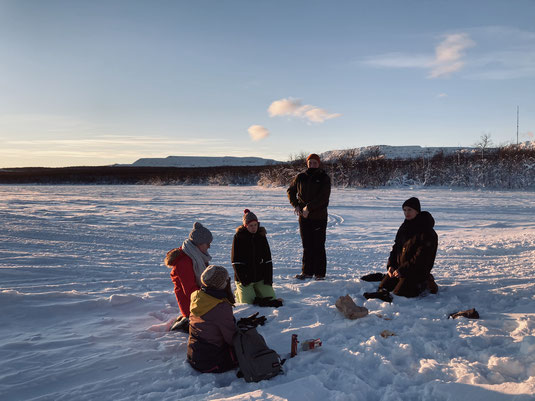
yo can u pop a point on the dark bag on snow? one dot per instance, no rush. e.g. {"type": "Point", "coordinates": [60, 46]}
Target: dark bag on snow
{"type": "Point", "coordinates": [469, 313]}
{"type": "Point", "coordinates": [256, 360]}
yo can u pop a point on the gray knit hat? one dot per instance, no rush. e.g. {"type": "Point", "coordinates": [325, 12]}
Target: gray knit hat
{"type": "Point", "coordinates": [215, 277]}
{"type": "Point", "coordinates": [248, 216]}
{"type": "Point", "coordinates": [200, 234]}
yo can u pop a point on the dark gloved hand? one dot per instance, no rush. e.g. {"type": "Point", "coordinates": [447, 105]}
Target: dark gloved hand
{"type": "Point", "coordinates": [180, 324]}
{"type": "Point", "coordinates": [268, 301]}
{"type": "Point", "coordinates": [252, 321]}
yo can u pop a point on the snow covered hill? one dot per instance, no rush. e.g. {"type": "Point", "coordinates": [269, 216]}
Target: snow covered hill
{"type": "Point", "coordinates": [202, 161]}
{"type": "Point", "coordinates": [384, 151]}
{"type": "Point", "coordinates": [407, 152]}
{"type": "Point", "coordinates": [393, 152]}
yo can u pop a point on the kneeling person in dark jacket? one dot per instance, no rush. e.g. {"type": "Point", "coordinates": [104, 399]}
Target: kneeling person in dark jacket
{"type": "Point", "coordinates": [413, 254]}
{"type": "Point", "coordinates": [212, 325]}
{"type": "Point", "coordinates": [251, 261]}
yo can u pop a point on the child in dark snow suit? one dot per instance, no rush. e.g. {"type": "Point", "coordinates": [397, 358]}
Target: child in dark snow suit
{"type": "Point", "coordinates": [251, 261]}
{"type": "Point", "coordinates": [212, 323]}
{"type": "Point", "coordinates": [413, 254]}
{"type": "Point", "coordinates": [187, 264]}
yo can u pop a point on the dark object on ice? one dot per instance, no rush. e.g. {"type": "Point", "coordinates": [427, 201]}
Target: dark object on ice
{"type": "Point", "coordinates": [252, 321]}
{"type": "Point", "coordinates": [373, 277]}
{"type": "Point", "coordinates": [303, 276]}
{"type": "Point", "coordinates": [469, 313]}
{"type": "Point", "coordinates": [381, 294]}
{"type": "Point", "coordinates": [256, 360]}
{"type": "Point", "coordinates": [180, 324]}
{"type": "Point", "coordinates": [268, 301]}
{"type": "Point", "coordinates": [320, 278]}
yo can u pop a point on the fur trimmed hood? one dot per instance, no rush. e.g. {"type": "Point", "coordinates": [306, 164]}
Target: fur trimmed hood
{"type": "Point", "coordinates": [172, 256]}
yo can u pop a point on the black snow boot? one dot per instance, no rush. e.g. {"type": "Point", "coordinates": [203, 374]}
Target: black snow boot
{"type": "Point", "coordinates": [373, 277]}
{"type": "Point", "coordinates": [382, 294]}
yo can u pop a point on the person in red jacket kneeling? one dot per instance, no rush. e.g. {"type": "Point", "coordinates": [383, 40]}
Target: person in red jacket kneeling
{"type": "Point", "coordinates": [188, 263]}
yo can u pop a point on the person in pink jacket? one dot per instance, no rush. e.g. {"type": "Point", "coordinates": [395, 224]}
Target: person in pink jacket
{"type": "Point", "coordinates": [187, 264]}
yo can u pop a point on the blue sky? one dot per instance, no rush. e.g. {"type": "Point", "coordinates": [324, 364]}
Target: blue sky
{"type": "Point", "coordinates": [102, 82]}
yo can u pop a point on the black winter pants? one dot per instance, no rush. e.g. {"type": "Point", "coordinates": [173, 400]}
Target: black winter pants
{"type": "Point", "coordinates": [209, 358]}
{"type": "Point", "coordinates": [313, 234]}
{"type": "Point", "coordinates": [402, 286]}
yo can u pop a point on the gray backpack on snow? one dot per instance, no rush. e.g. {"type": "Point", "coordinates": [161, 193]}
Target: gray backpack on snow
{"type": "Point", "coordinates": [257, 361]}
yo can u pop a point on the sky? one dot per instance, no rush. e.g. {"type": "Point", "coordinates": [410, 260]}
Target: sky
{"type": "Point", "coordinates": [103, 82]}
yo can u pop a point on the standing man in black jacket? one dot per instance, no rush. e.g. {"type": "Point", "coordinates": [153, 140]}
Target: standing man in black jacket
{"type": "Point", "coordinates": [309, 195]}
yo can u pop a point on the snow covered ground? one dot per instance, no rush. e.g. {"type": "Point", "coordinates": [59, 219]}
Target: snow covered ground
{"type": "Point", "coordinates": [85, 299]}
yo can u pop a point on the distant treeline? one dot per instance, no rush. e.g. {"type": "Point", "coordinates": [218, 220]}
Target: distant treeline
{"type": "Point", "coordinates": [506, 167]}
{"type": "Point", "coordinates": [111, 175]}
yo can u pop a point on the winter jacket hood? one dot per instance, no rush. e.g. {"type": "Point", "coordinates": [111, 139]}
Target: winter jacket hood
{"type": "Point", "coordinates": [424, 220]}
{"type": "Point", "coordinates": [202, 302]}
{"type": "Point", "coordinates": [173, 256]}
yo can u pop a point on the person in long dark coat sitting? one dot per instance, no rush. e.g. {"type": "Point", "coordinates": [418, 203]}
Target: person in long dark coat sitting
{"type": "Point", "coordinates": [413, 254]}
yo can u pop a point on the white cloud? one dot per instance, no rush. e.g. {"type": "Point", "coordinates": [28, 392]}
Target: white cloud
{"type": "Point", "coordinates": [448, 57]}
{"type": "Point", "coordinates": [399, 60]}
{"type": "Point", "coordinates": [502, 53]}
{"type": "Point", "coordinates": [449, 53]}
{"type": "Point", "coordinates": [257, 132]}
{"type": "Point", "coordinates": [293, 108]}
{"type": "Point", "coordinates": [441, 95]}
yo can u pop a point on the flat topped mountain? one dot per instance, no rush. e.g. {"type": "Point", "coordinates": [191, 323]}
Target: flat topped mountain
{"type": "Point", "coordinates": [202, 161]}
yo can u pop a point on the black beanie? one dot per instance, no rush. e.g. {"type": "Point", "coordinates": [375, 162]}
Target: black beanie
{"type": "Point", "coordinates": [413, 203]}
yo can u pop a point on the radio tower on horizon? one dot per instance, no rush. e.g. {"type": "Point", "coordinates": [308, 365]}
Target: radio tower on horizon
{"type": "Point", "coordinates": [517, 125]}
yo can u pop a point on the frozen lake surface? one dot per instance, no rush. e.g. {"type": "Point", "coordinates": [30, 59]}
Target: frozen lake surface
{"type": "Point", "coordinates": [85, 300]}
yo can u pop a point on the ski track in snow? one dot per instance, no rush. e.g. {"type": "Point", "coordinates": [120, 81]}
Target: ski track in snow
{"type": "Point", "coordinates": [85, 299]}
